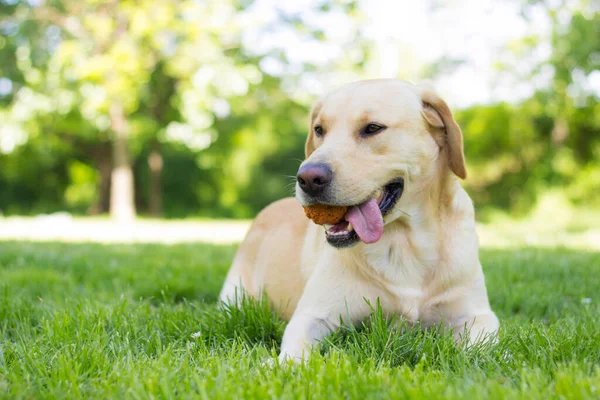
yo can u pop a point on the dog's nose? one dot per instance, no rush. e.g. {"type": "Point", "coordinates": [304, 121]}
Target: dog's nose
{"type": "Point", "coordinates": [313, 178]}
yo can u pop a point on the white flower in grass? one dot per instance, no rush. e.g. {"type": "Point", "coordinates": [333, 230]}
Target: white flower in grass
{"type": "Point", "coordinates": [586, 300]}
{"type": "Point", "coordinates": [196, 335]}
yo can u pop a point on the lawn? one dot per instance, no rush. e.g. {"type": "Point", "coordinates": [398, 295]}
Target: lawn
{"type": "Point", "coordinates": [140, 321]}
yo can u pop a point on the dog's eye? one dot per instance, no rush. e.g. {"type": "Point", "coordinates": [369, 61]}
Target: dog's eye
{"type": "Point", "coordinates": [318, 130]}
{"type": "Point", "coordinates": [372, 129]}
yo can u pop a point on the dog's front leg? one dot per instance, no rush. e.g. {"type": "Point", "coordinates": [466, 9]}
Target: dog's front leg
{"type": "Point", "coordinates": [304, 331]}
{"type": "Point", "coordinates": [331, 294]}
{"type": "Point", "coordinates": [477, 329]}
{"type": "Point", "coordinates": [471, 316]}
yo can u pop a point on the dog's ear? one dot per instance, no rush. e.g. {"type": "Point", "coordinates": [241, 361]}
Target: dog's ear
{"type": "Point", "coordinates": [445, 130]}
{"type": "Point", "coordinates": [309, 147]}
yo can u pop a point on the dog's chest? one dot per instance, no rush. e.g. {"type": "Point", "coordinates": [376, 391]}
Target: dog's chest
{"type": "Point", "coordinates": [399, 269]}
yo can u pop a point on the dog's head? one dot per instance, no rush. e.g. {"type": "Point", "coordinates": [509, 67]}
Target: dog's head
{"type": "Point", "coordinates": [370, 145]}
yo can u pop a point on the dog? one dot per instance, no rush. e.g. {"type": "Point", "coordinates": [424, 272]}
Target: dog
{"type": "Point", "coordinates": [392, 152]}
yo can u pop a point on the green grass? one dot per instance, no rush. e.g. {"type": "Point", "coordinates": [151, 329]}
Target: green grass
{"type": "Point", "coordinates": [140, 321]}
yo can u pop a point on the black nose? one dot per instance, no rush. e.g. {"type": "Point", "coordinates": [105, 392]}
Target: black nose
{"type": "Point", "coordinates": [313, 178]}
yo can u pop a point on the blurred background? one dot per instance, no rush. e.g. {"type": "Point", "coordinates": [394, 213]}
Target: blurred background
{"type": "Point", "coordinates": [175, 109]}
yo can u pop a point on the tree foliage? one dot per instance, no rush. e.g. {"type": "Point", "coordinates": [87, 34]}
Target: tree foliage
{"type": "Point", "coordinates": [172, 93]}
{"type": "Point", "coordinates": [552, 139]}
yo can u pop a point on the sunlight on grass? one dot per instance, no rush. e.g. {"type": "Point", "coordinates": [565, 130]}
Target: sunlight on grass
{"type": "Point", "coordinates": [554, 222]}
{"type": "Point", "coordinates": [61, 227]}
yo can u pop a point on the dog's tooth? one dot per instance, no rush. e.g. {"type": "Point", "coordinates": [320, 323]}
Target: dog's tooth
{"type": "Point", "coordinates": [377, 194]}
{"type": "Point", "coordinates": [350, 227]}
{"type": "Point", "coordinates": [327, 226]}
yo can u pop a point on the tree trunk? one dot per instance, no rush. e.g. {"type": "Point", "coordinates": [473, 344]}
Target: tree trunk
{"type": "Point", "coordinates": [102, 158]}
{"type": "Point", "coordinates": [105, 167]}
{"type": "Point", "coordinates": [122, 208]}
{"type": "Point", "coordinates": [155, 162]}
{"type": "Point", "coordinates": [560, 132]}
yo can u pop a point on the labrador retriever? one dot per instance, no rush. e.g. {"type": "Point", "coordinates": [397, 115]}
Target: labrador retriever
{"type": "Point", "coordinates": [392, 152]}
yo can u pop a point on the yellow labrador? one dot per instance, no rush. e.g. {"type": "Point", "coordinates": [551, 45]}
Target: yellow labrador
{"type": "Point", "coordinates": [393, 153]}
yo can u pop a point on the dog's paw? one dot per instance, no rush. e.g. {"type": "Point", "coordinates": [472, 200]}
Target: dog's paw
{"type": "Point", "coordinates": [286, 358]}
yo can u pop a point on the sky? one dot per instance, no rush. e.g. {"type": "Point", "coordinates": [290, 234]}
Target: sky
{"type": "Point", "coordinates": [410, 35]}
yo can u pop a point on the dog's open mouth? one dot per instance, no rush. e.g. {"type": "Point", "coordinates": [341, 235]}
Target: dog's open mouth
{"type": "Point", "coordinates": [364, 221]}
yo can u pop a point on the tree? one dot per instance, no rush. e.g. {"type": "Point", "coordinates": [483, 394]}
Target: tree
{"type": "Point", "coordinates": [552, 139]}
{"type": "Point", "coordinates": [104, 56]}
{"type": "Point", "coordinates": [132, 90]}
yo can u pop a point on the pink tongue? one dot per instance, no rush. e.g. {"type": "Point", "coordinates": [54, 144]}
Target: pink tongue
{"type": "Point", "coordinates": [367, 221]}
